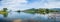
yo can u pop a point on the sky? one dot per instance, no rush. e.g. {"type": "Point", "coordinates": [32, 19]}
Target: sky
{"type": "Point", "coordinates": [27, 4]}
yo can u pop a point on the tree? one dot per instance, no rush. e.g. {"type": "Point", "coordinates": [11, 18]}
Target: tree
{"type": "Point", "coordinates": [47, 10]}
{"type": "Point", "coordinates": [4, 9]}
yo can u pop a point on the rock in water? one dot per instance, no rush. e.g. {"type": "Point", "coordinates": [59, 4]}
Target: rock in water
{"type": "Point", "coordinates": [17, 20]}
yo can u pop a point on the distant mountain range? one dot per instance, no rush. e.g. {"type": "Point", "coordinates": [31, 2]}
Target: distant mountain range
{"type": "Point", "coordinates": [56, 9]}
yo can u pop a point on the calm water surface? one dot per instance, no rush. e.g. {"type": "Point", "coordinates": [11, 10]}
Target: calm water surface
{"type": "Point", "coordinates": [22, 15]}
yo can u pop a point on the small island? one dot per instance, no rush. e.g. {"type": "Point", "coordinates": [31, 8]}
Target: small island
{"type": "Point", "coordinates": [4, 12]}
{"type": "Point", "coordinates": [18, 11]}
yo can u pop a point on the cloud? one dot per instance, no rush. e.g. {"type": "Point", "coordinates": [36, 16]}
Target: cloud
{"type": "Point", "coordinates": [26, 4]}
{"type": "Point", "coordinates": [12, 4]}
{"type": "Point", "coordinates": [52, 4]}
{"type": "Point", "coordinates": [49, 4]}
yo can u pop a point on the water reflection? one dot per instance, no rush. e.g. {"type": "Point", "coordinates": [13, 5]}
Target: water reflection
{"type": "Point", "coordinates": [15, 16]}
{"type": "Point", "coordinates": [23, 15]}
{"type": "Point", "coordinates": [4, 14]}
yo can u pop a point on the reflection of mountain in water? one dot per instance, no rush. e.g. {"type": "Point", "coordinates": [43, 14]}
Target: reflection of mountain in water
{"type": "Point", "coordinates": [22, 15]}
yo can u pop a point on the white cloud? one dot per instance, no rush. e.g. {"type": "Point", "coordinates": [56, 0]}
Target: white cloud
{"type": "Point", "coordinates": [22, 4]}
{"type": "Point", "coordinates": [51, 4]}
{"type": "Point", "coordinates": [12, 4]}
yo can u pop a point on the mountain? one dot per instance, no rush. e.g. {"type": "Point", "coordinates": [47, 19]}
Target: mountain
{"type": "Point", "coordinates": [56, 9]}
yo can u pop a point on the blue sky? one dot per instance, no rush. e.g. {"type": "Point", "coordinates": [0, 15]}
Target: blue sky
{"type": "Point", "coordinates": [27, 4]}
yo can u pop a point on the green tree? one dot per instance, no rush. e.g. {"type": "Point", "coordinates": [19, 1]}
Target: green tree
{"type": "Point", "coordinates": [4, 9]}
{"type": "Point", "coordinates": [47, 10]}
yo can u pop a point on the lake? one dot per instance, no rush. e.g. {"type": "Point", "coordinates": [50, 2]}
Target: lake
{"type": "Point", "coordinates": [26, 16]}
